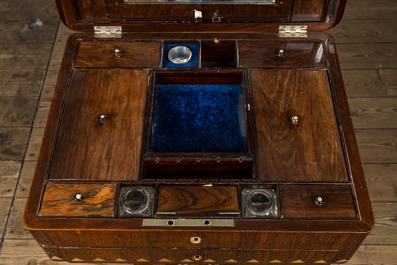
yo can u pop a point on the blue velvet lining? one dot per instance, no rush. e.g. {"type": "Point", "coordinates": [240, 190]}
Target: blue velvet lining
{"type": "Point", "coordinates": [199, 118]}
{"type": "Point", "coordinates": [191, 64]}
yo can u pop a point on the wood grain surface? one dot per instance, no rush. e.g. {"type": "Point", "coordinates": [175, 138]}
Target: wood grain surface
{"type": "Point", "coordinates": [296, 54]}
{"type": "Point", "coordinates": [9, 173]}
{"type": "Point", "coordinates": [369, 32]}
{"type": "Point", "coordinates": [299, 202]}
{"type": "Point", "coordinates": [132, 54]}
{"type": "Point", "coordinates": [378, 166]}
{"type": "Point", "coordinates": [378, 146]}
{"type": "Point", "coordinates": [381, 180]}
{"type": "Point", "coordinates": [24, 56]}
{"type": "Point", "coordinates": [155, 11]}
{"type": "Point", "coordinates": [197, 199]}
{"type": "Point", "coordinates": [371, 113]}
{"type": "Point", "coordinates": [98, 200]}
{"type": "Point", "coordinates": [20, 82]}
{"type": "Point", "coordinates": [181, 239]}
{"type": "Point", "coordinates": [175, 256]}
{"type": "Point", "coordinates": [17, 111]}
{"type": "Point", "coordinates": [89, 149]}
{"type": "Point", "coordinates": [87, 9]}
{"type": "Point", "coordinates": [312, 10]}
{"type": "Point", "coordinates": [368, 56]}
{"type": "Point", "coordinates": [13, 141]}
{"type": "Point", "coordinates": [362, 10]}
{"type": "Point", "coordinates": [308, 152]}
{"type": "Point", "coordinates": [178, 17]}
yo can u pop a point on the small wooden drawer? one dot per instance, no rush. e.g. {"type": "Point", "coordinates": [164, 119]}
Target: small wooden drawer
{"type": "Point", "coordinates": [317, 202]}
{"type": "Point", "coordinates": [281, 54]}
{"type": "Point", "coordinates": [198, 199]}
{"type": "Point", "coordinates": [118, 54]}
{"type": "Point", "coordinates": [78, 200]}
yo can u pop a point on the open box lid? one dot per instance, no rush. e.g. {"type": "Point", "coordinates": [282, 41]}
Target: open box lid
{"type": "Point", "coordinates": [200, 15]}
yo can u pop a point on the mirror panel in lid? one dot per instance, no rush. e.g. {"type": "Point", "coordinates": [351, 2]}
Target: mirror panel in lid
{"type": "Point", "coordinates": [200, 15]}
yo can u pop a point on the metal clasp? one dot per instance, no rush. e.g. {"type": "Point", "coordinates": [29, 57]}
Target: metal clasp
{"type": "Point", "coordinates": [215, 17]}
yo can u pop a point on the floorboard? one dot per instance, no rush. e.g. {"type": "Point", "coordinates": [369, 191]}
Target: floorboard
{"type": "Point", "coordinates": [370, 9]}
{"type": "Point", "coordinates": [382, 182]}
{"type": "Point", "coordinates": [377, 146]}
{"type": "Point", "coordinates": [374, 113]}
{"type": "Point", "coordinates": [367, 56]}
{"type": "Point", "coordinates": [371, 31]}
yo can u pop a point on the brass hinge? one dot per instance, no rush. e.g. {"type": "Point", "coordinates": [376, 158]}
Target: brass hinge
{"type": "Point", "coordinates": [295, 31]}
{"type": "Point", "coordinates": [107, 31]}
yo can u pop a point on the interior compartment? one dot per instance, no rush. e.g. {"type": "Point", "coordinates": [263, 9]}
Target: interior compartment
{"type": "Point", "coordinates": [101, 126]}
{"type": "Point", "coordinates": [138, 54]}
{"type": "Point", "coordinates": [280, 54]}
{"type": "Point", "coordinates": [218, 54]}
{"type": "Point", "coordinates": [198, 120]}
{"type": "Point", "coordinates": [171, 60]}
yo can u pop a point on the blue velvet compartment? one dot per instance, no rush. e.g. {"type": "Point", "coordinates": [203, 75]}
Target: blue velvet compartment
{"type": "Point", "coordinates": [191, 64]}
{"type": "Point", "coordinates": [199, 118]}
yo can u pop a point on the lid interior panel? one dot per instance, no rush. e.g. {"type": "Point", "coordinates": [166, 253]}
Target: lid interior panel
{"type": "Point", "coordinates": [200, 15]}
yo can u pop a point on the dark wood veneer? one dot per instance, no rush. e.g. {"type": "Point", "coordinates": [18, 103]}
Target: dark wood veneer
{"type": "Point", "coordinates": [177, 11]}
{"type": "Point", "coordinates": [97, 200]}
{"type": "Point", "coordinates": [132, 54]}
{"type": "Point", "coordinates": [295, 54]}
{"type": "Point", "coordinates": [174, 256]}
{"type": "Point", "coordinates": [299, 202]}
{"type": "Point", "coordinates": [309, 10]}
{"type": "Point", "coordinates": [310, 151]}
{"type": "Point", "coordinates": [87, 148]}
{"type": "Point", "coordinates": [90, 9]}
{"type": "Point", "coordinates": [180, 17]}
{"type": "Point", "coordinates": [111, 238]}
{"type": "Point", "coordinates": [197, 199]}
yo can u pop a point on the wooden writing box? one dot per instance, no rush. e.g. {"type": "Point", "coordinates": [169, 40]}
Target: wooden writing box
{"type": "Point", "coordinates": [199, 132]}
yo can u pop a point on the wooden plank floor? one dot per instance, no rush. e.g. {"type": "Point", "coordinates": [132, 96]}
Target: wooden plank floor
{"type": "Point", "coordinates": [29, 61]}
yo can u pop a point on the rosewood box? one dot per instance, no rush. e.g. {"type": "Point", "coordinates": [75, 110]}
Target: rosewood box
{"type": "Point", "coordinates": [199, 132]}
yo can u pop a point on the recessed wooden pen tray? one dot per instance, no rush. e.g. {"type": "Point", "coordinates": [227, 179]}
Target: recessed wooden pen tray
{"type": "Point", "coordinates": [198, 125]}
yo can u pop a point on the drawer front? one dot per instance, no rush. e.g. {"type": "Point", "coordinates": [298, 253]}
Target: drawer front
{"type": "Point", "coordinates": [281, 54]}
{"type": "Point", "coordinates": [197, 199]}
{"type": "Point", "coordinates": [78, 200]}
{"type": "Point", "coordinates": [198, 239]}
{"type": "Point", "coordinates": [295, 126]}
{"type": "Point", "coordinates": [318, 202]}
{"type": "Point", "coordinates": [188, 256]}
{"type": "Point", "coordinates": [100, 133]}
{"type": "Point", "coordinates": [130, 54]}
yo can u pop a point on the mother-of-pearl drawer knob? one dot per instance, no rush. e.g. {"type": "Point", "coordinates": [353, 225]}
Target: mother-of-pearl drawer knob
{"type": "Point", "coordinates": [78, 197]}
{"type": "Point", "coordinates": [295, 120]}
{"type": "Point", "coordinates": [318, 201]}
{"type": "Point", "coordinates": [117, 52]}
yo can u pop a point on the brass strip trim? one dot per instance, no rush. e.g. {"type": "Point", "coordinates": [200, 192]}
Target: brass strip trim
{"type": "Point", "coordinates": [189, 222]}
